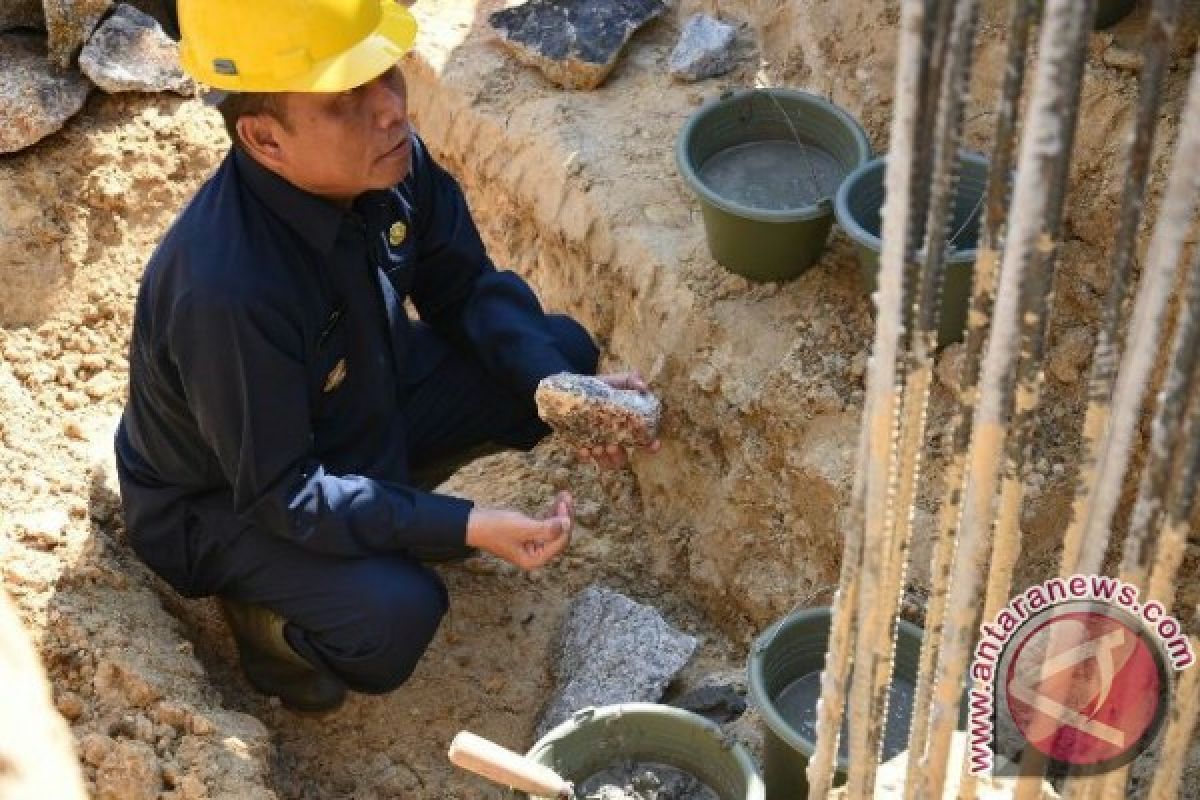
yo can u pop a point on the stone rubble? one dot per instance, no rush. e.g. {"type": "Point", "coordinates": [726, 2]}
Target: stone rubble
{"type": "Point", "coordinates": [575, 43]}
{"type": "Point", "coordinates": [70, 23]}
{"type": "Point", "coordinates": [613, 650]}
{"type": "Point", "coordinates": [130, 52]}
{"type": "Point", "coordinates": [36, 98]}
{"type": "Point", "coordinates": [704, 50]}
{"type": "Point", "coordinates": [21, 14]}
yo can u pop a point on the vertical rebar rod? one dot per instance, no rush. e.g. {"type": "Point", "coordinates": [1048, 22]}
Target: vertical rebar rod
{"type": "Point", "coordinates": [1087, 540]}
{"type": "Point", "coordinates": [1166, 437]}
{"type": "Point", "coordinates": [880, 426]}
{"type": "Point", "coordinates": [1042, 146]}
{"type": "Point", "coordinates": [1181, 727]}
{"type": "Point", "coordinates": [982, 294]}
{"type": "Point", "coordinates": [1164, 484]}
{"type": "Point", "coordinates": [1037, 303]}
{"type": "Point", "coordinates": [1160, 30]}
{"type": "Point", "coordinates": [955, 44]}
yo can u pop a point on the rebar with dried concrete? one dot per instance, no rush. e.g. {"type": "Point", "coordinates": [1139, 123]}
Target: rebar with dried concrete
{"type": "Point", "coordinates": [1042, 148]}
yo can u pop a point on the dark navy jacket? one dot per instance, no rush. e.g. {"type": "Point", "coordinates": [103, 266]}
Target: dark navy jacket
{"type": "Point", "coordinates": [271, 350]}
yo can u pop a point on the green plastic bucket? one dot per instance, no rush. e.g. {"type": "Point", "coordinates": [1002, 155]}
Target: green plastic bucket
{"type": "Point", "coordinates": [859, 203]}
{"type": "Point", "coordinates": [788, 651]}
{"type": "Point", "coordinates": [764, 244]}
{"type": "Point", "coordinates": [596, 738]}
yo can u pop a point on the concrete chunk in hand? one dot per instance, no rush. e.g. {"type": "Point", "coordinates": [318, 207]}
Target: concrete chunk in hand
{"type": "Point", "coordinates": [588, 412]}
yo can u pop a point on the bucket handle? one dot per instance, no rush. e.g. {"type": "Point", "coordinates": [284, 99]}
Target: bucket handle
{"type": "Point", "coordinates": [768, 637]}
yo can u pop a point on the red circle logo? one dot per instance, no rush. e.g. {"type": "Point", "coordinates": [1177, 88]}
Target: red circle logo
{"type": "Point", "coordinates": [1084, 686]}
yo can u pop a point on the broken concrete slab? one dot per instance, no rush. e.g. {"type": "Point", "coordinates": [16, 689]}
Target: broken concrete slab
{"type": "Point", "coordinates": [36, 98]}
{"type": "Point", "coordinates": [130, 52]}
{"type": "Point", "coordinates": [575, 43]}
{"type": "Point", "coordinates": [613, 650]}
{"type": "Point", "coordinates": [70, 23]}
{"type": "Point", "coordinates": [704, 50]}
{"type": "Point", "coordinates": [21, 14]}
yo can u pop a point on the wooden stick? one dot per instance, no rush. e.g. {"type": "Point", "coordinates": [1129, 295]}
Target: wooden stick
{"type": "Point", "coordinates": [489, 760]}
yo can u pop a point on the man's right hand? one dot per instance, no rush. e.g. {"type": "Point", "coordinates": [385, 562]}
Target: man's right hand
{"type": "Point", "coordinates": [520, 540]}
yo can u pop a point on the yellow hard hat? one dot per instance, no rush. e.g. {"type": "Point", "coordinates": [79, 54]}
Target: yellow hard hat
{"type": "Point", "coordinates": [292, 45]}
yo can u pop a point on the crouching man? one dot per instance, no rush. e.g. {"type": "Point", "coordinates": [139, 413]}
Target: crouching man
{"type": "Point", "coordinates": [286, 420]}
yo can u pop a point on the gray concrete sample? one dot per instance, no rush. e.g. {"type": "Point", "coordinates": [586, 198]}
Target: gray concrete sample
{"type": "Point", "coordinates": [586, 411]}
{"type": "Point", "coordinates": [704, 50]}
{"type": "Point", "coordinates": [574, 42]}
{"type": "Point", "coordinates": [613, 650]}
{"type": "Point", "coordinates": [36, 98]}
{"type": "Point", "coordinates": [129, 52]}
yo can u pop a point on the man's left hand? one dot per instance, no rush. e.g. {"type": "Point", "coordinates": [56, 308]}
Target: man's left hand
{"type": "Point", "coordinates": [614, 456]}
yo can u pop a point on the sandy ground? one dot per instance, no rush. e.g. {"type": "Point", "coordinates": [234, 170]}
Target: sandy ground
{"type": "Point", "coordinates": [733, 524]}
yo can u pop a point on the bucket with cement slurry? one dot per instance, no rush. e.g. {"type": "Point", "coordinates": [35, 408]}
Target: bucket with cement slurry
{"type": "Point", "coordinates": [765, 164]}
{"type": "Point", "coordinates": [858, 206]}
{"type": "Point", "coordinates": [784, 681]}
{"type": "Point", "coordinates": [596, 738]}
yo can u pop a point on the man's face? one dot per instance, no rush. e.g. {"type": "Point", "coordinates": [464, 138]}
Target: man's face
{"type": "Point", "coordinates": [341, 144]}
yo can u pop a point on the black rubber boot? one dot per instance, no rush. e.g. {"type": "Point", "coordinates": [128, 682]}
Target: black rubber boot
{"type": "Point", "coordinates": [273, 667]}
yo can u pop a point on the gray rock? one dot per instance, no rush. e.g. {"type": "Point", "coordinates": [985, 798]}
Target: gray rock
{"type": "Point", "coordinates": [586, 411]}
{"type": "Point", "coordinates": [720, 703]}
{"type": "Point", "coordinates": [21, 14]}
{"type": "Point", "coordinates": [704, 50]}
{"type": "Point", "coordinates": [574, 42]}
{"type": "Point", "coordinates": [36, 98]}
{"type": "Point", "coordinates": [70, 23]}
{"type": "Point", "coordinates": [129, 52]}
{"type": "Point", "coordinates": [613, 650]}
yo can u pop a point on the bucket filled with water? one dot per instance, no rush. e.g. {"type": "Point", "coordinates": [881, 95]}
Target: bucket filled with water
{"type": "Point", "coordinates": [765, 165]}
{"type": "Point", "coordinates": [785, 684]}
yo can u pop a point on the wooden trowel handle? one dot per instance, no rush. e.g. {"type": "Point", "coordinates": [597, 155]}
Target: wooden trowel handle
{"type": "Point", "coordinates": [499, 764]}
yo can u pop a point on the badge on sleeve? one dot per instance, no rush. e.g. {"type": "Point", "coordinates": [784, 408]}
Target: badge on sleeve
{"type": "Point", "coordinates": [396, 234]}
{"type": "Point", "coordinates": [335, 377]}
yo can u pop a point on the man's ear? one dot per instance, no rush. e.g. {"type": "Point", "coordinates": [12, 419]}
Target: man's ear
{"type": "Point", "coordinates": [259, 134]}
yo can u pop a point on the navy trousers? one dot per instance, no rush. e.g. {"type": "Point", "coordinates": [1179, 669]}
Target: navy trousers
{"type": "Point", "coordinates": [368, 620]}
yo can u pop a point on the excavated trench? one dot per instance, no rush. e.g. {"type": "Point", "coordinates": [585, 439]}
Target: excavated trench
{"type": "Point", "coordinates": [733, 524]}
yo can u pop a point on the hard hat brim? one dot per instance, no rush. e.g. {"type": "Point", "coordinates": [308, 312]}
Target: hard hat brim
{"type": "Point", "coordinates": [368, 59]}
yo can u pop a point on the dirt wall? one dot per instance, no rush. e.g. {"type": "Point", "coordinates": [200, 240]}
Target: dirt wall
{"type": "Point", "coordinates": [763, 384]}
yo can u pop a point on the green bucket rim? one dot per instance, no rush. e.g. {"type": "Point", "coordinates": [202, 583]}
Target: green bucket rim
{"type": "Point", "coordinates": [820, 208]}
{"type": "Point", "coordinates": [860, 235]}
{"type": "Point", "coordinates": [756, 787]}
{"type": "Point", "coordinates": [756, 680]}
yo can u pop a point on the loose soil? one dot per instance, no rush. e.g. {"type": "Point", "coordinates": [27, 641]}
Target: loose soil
{"type": "Point", "coordinates": [736, 522]}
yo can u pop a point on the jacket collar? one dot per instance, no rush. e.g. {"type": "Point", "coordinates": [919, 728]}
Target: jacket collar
{"type": "Point", "coordinates": [314, 219]}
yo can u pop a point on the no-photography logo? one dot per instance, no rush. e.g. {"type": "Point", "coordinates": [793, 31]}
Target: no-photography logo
{"type": "Point", "coordinates": [1077, 669]}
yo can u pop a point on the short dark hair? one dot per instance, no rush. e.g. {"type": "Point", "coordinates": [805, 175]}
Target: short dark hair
{"type": "Point", "coordinates": [236, 105]}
